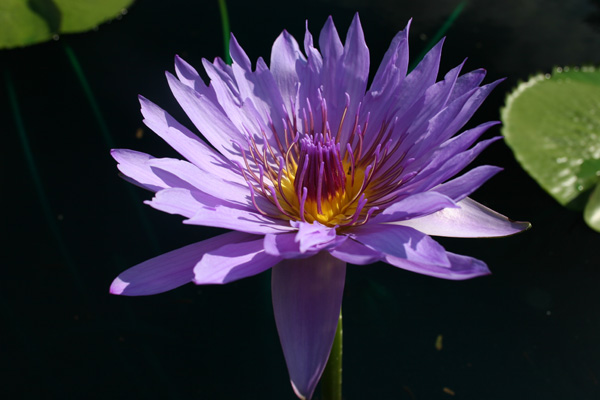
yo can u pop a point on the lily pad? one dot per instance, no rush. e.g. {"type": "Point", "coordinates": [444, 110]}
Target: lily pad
{"type": "Point", "coordinates": [26, 22]}
{"type": "Point", "coordinates": [552, 124]}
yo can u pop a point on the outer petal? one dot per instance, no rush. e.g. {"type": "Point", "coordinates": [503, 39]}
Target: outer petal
{"type": "Point", "coordinates": [357, 253]}
{"type": "Point", "coordinates": [459, 188]}
{"type": "Point", "coordinates": [404, 243]}
{"type": "Point", "coordinates": [203, 209]}
{"type": "Point", "coordinates": [309, 240]}
{"type": "Point", "coordinates": [461, 267]}
{"type": "Point", "coordinates": [232, 262]}
{"type": "Point", "coordinates": [170, 270]}
{"type": "Point", "coordinates": [307, 298]}
{"type": "Point", "coordinates": [471, 219]}
{"type": "Point", "coordinates": [287, 61]}
{"type": "Point", "coordinates": [415, 206]}
{"type": "Point", "coordinates": [133, 164]}
{"type": "Point", "coordinates": [187, 143]}
{"type": "Point", "coordinates": [208, 118]}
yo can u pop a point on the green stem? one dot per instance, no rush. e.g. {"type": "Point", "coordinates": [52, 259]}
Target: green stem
{"type": "Point", "coordinates": [226, 29]}
{"type": "Point", "coordinates": [331, 381]}
{"type": "Point", "coordinates": [440, 32]}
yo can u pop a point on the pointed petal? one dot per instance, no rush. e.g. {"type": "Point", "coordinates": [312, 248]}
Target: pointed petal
{"type": "Point", "coordinates": [307, 298]}
{"type": "Point", "coordinates": [356, 253]}
{"type": "Point", "coordinates": [133, 165]}
{"type": "Point", "coordinates": [469, 221]}
{"type": "Point", "coordinates": [460, 268]}
{"type": "Point", "coordinates": [169, 270]}
{"type": "Point", "coordinates": [233, 261]}
{"type": "Point", "coordinates": [414, 206]}
{"type": "Point", "coordinates": [190, 77]}
{"type": "Point", "coordinates": [208, 117]}
{"type": "Point", "coordinates": [406, 243]}
{"type": "Point", "coordinates": [182, 174]}
{"type": "Point", "coordinates": [286, 62]}
{"type": "Point", "coordinates": [459, 188]}
{"type": "Point", "coordinates": [203, 209]}
{"type": "Point", "coordinates": [187, 143]}
{"type": "Point", "coordinates": [307, 241]}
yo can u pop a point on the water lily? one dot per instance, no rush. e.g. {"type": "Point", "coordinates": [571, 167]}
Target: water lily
{"type": "Point", "coordinates": [311, 170]}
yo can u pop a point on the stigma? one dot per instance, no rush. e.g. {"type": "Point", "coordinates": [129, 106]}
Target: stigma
{"type": "Point", "coordinates": [307, 173]}
{"type": "Point", "coordinates": [320, 170]}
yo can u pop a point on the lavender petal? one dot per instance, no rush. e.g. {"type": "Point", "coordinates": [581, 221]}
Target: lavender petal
{"type": "Point", "coordinates": [307, 298]}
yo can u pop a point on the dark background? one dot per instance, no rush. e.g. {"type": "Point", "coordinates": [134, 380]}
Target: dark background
{"type": "Point", "coordinates": [529, 331]}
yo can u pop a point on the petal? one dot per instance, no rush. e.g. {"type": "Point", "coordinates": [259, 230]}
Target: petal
{"type": "Point", "coordinates": [459, 188]}
{"type": "Point", "coordinates": [347, 76]}
{"type": "Point", "coordinates": [414, 206]}
{"type": "Point", "coordinates": [133, 164]}
{"type": "Point", "coordinates": [356, 253]}
{"type": "Point", "coordinates": [406, 243]}
{"type": "Point", "coordinates": [222, 216]}
{"type": "Point", "coordinates": [187, 143]}
{"type": "Point", "coordinates": [208, 117]}
{"type": "Point", "coordinates": [233, 261]}
{"type": "Point", "coordinates": [286, 62]}
{"type": "Point", "coordinates": [469, 221]}
{"type": "Point", "coordinates": [307, 241]}
{"type": "Point", "coordinates": [190, 77]}
{"type": "Point", "coordinates": [178, 173]}
{"type": "Point", "coordinates": [393, 67]}
{"type": "Point", "coordinates": [307, 298]}
{"type": "Point", "coordinates": [467, 82]}
{"type": "Point", "coordinates": [460, 268]}
{"type": "Point", "coordinates": [203, 209]}
{"type": "Point", "coordinates": [169, 270]}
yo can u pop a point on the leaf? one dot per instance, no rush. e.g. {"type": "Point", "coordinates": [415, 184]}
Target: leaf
{"type": "Point", "coordinates": [26, 22]}
{"type": "Point", "coordinates": [591, 213]}
{"type": "Point", "coordinates": [552, 124]}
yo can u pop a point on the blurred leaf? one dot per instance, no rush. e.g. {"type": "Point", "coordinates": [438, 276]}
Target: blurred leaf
{"type": "Point", "coordinates": [552, 124]}
{"type": "Point", "coordinates": [26, 22]}
{"type": "Point", "coordinates": [591, 213]}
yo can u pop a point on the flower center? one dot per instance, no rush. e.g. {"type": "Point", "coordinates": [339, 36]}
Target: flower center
{"type": "Point", "coordinates": [320, 170]}
{"type": "Point", "coordinates": [309, 176]}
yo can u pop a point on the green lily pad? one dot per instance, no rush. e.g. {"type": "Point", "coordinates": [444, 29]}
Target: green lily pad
{"type": "Point", "coordinates": [591, 213]}
{"type": "Point", "coordinates": [26, 22]}
{"type": "Point", "coordinates": [552, 124]}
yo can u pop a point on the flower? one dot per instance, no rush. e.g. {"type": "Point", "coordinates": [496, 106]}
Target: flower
{"type": "Point", "coordinates": [311, 171]}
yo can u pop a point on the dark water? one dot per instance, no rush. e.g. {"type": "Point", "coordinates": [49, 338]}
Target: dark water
{"type": "Point", "coordinates": [529, 331]}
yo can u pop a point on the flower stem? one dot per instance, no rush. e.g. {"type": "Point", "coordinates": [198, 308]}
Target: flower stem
{"type": "Point", "coordinates": [331, 381]}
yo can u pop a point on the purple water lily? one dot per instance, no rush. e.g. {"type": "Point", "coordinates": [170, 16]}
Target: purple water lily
{"type": "Point", "coordinates": [311, 171]}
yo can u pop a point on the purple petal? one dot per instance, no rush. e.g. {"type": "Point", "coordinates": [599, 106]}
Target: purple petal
{"type": "Point", "coordinates": [208, 118]}
{"type": "Point", "coordinates": [307, 241]}
{"type": "Point", "coordinates": [187, 143]}
{"type": "Point", "coordinates": [331, 46]}
{"type": "Point", "coordinates": [467, 82]}
{"type": "Point", "coordinates": [170, 270]}
{"type": "Point", "coordinates": [233, 261]}
{"type": "Point", "coordinates": [189, 77]}
{"type": "Point", "coordinates": [459, 188]}
{"type": "Point", "coordinates": [470, 220]}
{"type": "Point", "coordinates": [356, 253]}
{"type": "Point", "coordinates": [259, 88]}
{"type": "Point", "coordinates": [406, 243]}
{"type": "Point", "coordinates": [307, 298]}
{"type": "Point", "coordinates": [222, 216]}
{"type": "Point", "coordinates": [286, 61]}
{"type": "Point", "coordinates": [461, 267]}
{"type": "Point", "coordinates": [178, 173]}
{"type": "Point", "coordinates": [203, 209]}
{"type": "Point", "coordinates": [393, 67]}
{"type": "Point", "coordinates": [415, 206]}
{"type": "Point", "coordinates": [133, 164]}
